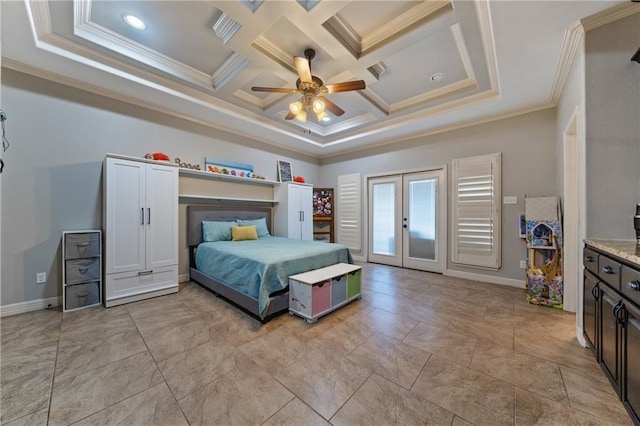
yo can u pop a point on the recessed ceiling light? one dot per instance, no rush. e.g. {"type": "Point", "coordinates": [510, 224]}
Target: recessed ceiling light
{"type": "Point", "coordinates": [437, 76]}
{"type": "Point", "coordinates": [134, 21]}
{"type": "Point", "coordinates": [327, 118]}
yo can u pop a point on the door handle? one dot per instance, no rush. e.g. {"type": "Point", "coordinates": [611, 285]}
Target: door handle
{"type": "Point", "coordinates": [594, 291]}
{"type": "Point", "coordinates": [149, 218]}
{"type": "Point", "coordinates": [142, 216]}
{"type": "Point", "coordinates": [607, 270]}
{"type": "Point", "coordinates": [634, 285]}
{"type": "Point", "coordinates": [588, 259]}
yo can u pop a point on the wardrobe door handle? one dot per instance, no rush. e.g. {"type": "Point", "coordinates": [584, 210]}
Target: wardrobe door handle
{"type": "Point", "coordinates": [594, 291]}
{"type": "Point", "coordinates": [142, 216]}
{"type": "Point", "coordinates": [149, 218]}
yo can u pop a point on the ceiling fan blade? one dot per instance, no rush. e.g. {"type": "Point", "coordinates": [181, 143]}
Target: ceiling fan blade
{"type": "Point", "coordinates": [335, 109]}
{"type": "Point", "coordinates": [347, 86]}
{"type": "Point", "coordinates": [274, 89]}
{"type": "Point", "coordinates": [290, 116]}
{"type": "Point", "coordinates": [303, 68]}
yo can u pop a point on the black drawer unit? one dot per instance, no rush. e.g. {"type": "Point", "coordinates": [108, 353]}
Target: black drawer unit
{"type": "Point", "coordinates": [611, 320]}
{"type": "Point", "coordinates": [81, 269]}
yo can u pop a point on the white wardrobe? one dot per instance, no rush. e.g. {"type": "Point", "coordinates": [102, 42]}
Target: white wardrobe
{"type": "Point", "coordinates": [294, 211]}
{"type": "Point", "coordinates": [141, 229]}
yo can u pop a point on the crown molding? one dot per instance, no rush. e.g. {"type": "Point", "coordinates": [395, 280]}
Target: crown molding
{"type": "Point", "coordinates": [483, 10]}
{"type": "Point", "coordinates": [225, 27]}
{"type": "Point", "coordinates": [344, 33]}
{"type": "Point", "coordinates": [378, 69]}
{"type": "Point", "coordinates": [570, 43]}
{"type": "Point", "coordinates": [433, 95]}
{"type": "Point", "coordinates": [274, 52]}
{"type": "Point", "coordinates": [612, 14]}
{"type": "Point", "coordinates": [444, 129]}
{"type": "Point", "coordinates": [375, 100]}
{"type": "Point", "coordinates": [40, 15]}
{"type": "Point", "coordinates": [403, 23]}
{"type": "Point", "coordinates": [248, 98]}
{"type": "Point", "coordinates": [90, 31]}
{"type": "Point", "coordinates": [228, 70]}
{"type": "Point", "coordinates": [458, 37]}
{"type": "Point", "coordinates": [573, 37]}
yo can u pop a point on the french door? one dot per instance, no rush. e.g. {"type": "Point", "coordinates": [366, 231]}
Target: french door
{"type": "Point", "coordinates": [407, 220]}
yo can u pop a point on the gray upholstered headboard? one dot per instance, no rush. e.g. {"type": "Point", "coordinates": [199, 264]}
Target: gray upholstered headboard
{"type": "Point", "coordinates": [196, 214]}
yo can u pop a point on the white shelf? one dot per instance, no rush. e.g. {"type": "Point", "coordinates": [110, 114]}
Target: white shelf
{"type": "Point", "coordinates": [214, 198]}
{"type": "Point", "coordinates": [140, 159]}
{"type": "Point", "coordinates": [218, 176]}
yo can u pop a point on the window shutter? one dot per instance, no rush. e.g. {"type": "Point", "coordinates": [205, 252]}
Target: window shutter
{"type": "Point", "coordinates": [349, 217]}
{"type": "Point", "coordinates": [476, 211]}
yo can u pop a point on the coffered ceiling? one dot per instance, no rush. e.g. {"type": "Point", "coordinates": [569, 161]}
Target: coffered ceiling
{"type": "Point", "coordinates": [199, 59]}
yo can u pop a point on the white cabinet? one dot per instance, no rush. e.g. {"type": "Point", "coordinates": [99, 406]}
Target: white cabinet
{"type": "Point", "coordinates": [294, 211]}
{"type": "Point", "coordinates": [141, 229]}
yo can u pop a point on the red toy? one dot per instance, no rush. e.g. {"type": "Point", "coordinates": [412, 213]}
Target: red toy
{"type": "Point", "coordinates": [161, 156]}
{"type": "Point", "coordinates": [298, 179]}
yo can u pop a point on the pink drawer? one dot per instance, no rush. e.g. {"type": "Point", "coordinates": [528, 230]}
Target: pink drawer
{"type": "Point", "coordinates": [321, 297]}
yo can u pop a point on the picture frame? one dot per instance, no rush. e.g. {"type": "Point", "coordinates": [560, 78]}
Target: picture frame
{"type": "Point", "coordinates": [284, 171]}
{"type": "Point", "coordinates": [522, 221]}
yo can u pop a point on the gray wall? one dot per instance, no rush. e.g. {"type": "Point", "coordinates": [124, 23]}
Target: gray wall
{"type": "Point", "coordinates": [52, 180]}
{"type": "Point", "coordinates": [612, 128]}
{"type": "Point", "coordinates": [527, 144]}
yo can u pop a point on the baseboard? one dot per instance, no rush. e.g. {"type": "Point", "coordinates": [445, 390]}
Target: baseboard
{"type": "Point", "coordinates": [510, 282]}
{"type": "Point", "coordinates": [580, 337]}
{"type": "Point", "coordinates": [183, 278]}
{"type": "Point", "coordinates": [31, 305]}
{"type": "Point", "coordinates": [362, 259]}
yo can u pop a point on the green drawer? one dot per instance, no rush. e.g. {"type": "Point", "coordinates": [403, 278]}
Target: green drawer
{"type": "Point", "coordinates": [353, 284]}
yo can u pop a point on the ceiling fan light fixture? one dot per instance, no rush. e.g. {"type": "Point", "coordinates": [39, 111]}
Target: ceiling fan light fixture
{"type": "Point", "coordinates": [321, 115]}
{"type": "Point", "coordinates": [302, 116]}
{"type": "Point", "coordinates": [134, 21]}
{"type": "Point", "coordinates": [296, 107]}
{"type": "Point", "coordinates": [326, 118]}
{"type": "Point", "coordinates": [318, 106]}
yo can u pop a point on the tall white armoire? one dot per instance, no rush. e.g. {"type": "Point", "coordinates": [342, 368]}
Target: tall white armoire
{"type": "Point", "coordinates": [141, 229]}
{"type": "Point", "coordinates": [294, 211]}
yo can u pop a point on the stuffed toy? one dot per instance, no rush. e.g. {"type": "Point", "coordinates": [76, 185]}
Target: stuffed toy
{"type": "Point", "coordinates": [298, 179]}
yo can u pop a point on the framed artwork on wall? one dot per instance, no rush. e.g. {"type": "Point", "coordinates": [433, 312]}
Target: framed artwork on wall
{"type": "Point", "coordinates": [284, 171]}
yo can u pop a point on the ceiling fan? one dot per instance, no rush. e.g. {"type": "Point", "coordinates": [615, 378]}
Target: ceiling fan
{"type": "Point", "coordinates": [312, 90]}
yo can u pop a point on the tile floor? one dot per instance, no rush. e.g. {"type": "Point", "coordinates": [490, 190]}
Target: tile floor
{"type": "Point", "coordinates": [418, 348]}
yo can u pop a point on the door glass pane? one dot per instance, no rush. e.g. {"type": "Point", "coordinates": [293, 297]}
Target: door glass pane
{"type": "Point", "coordinates": [384, 204]}
{"type": "Point", "coordinates": [422, 219]}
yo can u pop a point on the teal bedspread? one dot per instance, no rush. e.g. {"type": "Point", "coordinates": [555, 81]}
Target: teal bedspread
{"type": "Point", "coordinates": [260, 267]}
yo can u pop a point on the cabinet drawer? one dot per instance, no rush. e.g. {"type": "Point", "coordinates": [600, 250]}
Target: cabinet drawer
{"type": "Point", "coordinates": [338, 290]}
{"type": "Point", "coordinates": [80, 295]}
{"type": "Point", "coordinates": [590, 260]}
{"type": "Point", "coordinates": [320, 297]}
{"type": "Point", "coordinates": [82, 270]}
{"type": "Point", "coordinates": [609, 271]}
{"type": "Point", "coordinates": [630, 283]}
{"type": "Point", "coordinates": [353, 284]}
{"type": "Point", "coordinates": [81, 245]}
{"type": "Point", "coordinates": [128, 284]}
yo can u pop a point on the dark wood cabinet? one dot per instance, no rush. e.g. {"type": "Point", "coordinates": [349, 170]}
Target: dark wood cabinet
{"type": "Point", "coordinates": [611, 321]}
{"type": "Point", "coordinates": [631, 383]}
{"type": "Point", "coordinates": [610, 332]}
{"type": "Point", "coordinates": [590, 309]}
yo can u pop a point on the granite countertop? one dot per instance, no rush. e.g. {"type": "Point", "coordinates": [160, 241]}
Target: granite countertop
{"type": "Point", "coordinates": [625, 249]}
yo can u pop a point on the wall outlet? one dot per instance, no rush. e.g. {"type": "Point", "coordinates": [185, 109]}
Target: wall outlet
{"type": "Point", "coordinates": [523, 264]}
{"type": "Point", "coordinates": [41, 277]}
{"type": "Point", "coordinates": [511, 199]}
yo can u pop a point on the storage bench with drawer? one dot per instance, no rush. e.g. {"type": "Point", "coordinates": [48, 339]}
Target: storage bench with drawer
{"type": "Point", "coordinates": [81, 269]}
{"type": "Point", "coordinates": [316, 293]}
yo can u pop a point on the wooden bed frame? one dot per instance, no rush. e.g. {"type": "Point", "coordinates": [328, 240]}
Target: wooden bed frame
{"type": "Point", "coordinates": [279, 302]}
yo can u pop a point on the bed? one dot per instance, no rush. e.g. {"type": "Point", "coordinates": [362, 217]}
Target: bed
{"type": "Point", "coordinates": [252, 274]}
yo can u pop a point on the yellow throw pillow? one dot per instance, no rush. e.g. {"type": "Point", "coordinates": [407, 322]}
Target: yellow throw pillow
{"type": "Point", "coordinates": [242, 233]}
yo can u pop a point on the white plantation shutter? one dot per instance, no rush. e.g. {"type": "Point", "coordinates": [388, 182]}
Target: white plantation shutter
{"type": "Point", "coordinates": [476, 211]}
{"type": "Point", "coordinates": [349, 216]}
